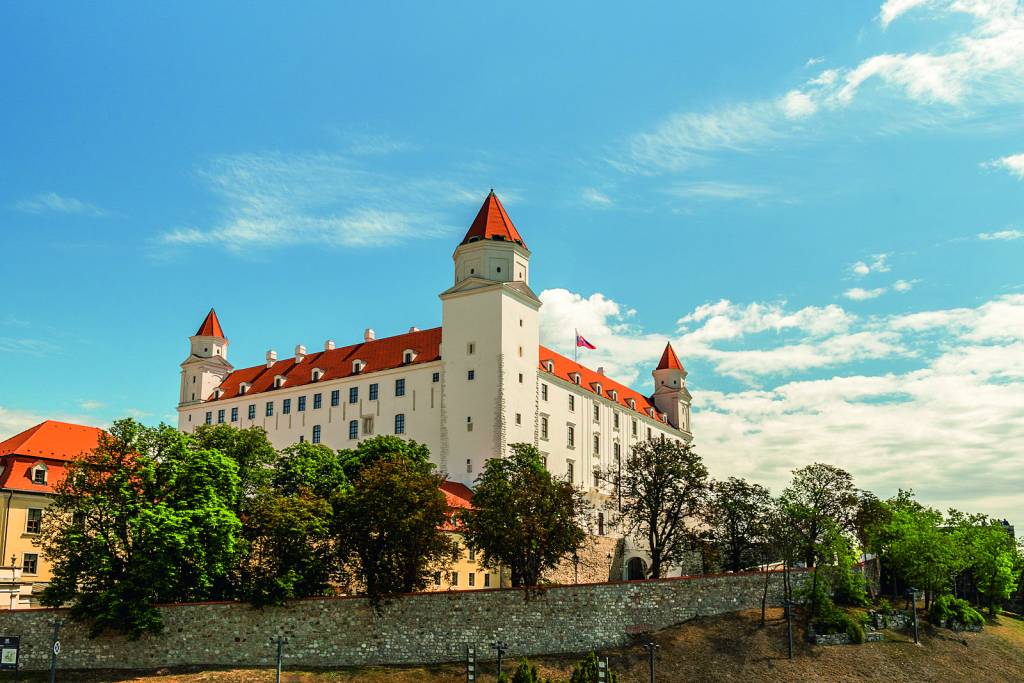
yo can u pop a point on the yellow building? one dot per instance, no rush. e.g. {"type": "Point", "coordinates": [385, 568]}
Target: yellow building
{"type": "Point", "coordinates": [464, 572]}
{"type": "Point", "coordinates": [31, 464]}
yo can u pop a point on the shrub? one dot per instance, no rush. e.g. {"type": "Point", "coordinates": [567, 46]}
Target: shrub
{"type": "Point", "coordinates": [836, 620]}
{"type": "Point", "coordinates": [525, 673]}
{"type": "Point", "coordinates": [585, 671]}
{"type": "Point", "coordinates": [946, 609]}
{"type": "Point", "coordinates": [885, 607]}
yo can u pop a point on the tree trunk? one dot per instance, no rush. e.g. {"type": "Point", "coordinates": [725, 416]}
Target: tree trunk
{"type": "Point", "coordinates": [764, 595]}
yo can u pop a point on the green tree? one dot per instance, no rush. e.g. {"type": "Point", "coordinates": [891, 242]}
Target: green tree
{"type": "Point", "coordinates": [310, 468]}
{"type": "Point", "coordinates": [665, 486]}
{"type": "Point", "coordinates": [369, 451]}
{"type": "Point", "coordinates": [389, 521]}
{"type": "Point", "coordinates": [585, 671]}
{"type": "Point", "coordinates": [989, 555]}
{"type": "Point", "coordinates": [737, 515]}
{"type": "Point", "coordinates": [146, 517]}
{"type": "Point", "coordinates": [523, 518]}
{"type": "Point", "coordinates": [819, 496]}
{"type": "Point", "coordinates": [921, 549]}
{"type": "Point", "coordinates": [251, 450]}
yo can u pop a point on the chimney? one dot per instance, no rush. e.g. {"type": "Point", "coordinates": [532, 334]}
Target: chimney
{"type": "Point", "coordinates": [271, 357]}
{"type": "Point", "coordinates": [600, 370]}
{"type": "Point", "coordinates": [414, 329]}
{"type": "Point", "coordinates": [300, 353]}
{"type": "Point", "coordinates": [329, 345]}
{"type": "Point", "coordinates": [368, 334]}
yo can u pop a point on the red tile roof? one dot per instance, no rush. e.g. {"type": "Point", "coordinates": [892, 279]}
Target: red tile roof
{"type": "Point", "coordinates": [380, 354]}
{"type": "Point", "coordinates": [54, 443]}
{"type": "Point", "coordinates": [211, 326]}
{"type": "Point", "coordinates": [459, 497]}
{"type": "Point", "coordinates": [492, 223]}
{"type": "Point", "coordinates": [565, 368]}
{"type": "Point", "coordinates": [669, 359]}
{"type": "Point", "coordinates": [52, 439]}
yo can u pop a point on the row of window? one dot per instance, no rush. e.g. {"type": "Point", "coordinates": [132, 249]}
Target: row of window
{"type": "Point", "coordinates": [453, 579]}
{"type": "Point", "coordinates": [597, 409]}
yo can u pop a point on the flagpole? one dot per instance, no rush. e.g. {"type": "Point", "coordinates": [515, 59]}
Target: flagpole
{"type": "Point", "coordinates": [575, 345]}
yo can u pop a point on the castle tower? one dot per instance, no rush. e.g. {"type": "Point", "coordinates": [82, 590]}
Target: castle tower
{"type": "Point", "coordinates": [207, 363]}
{"type": "Point", "coordinates": [489, 346]}
{"type": "Point", "coordinates": [670, 394]}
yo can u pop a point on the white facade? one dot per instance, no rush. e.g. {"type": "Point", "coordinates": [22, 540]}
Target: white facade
{"type": "Point", "coordinates": [479, 383]}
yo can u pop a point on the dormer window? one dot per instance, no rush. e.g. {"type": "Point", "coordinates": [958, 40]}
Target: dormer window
{"type": "Point", "coordinates": [279, 381]}
{"type": "Point", "coordinates": [243, 388]}
{"type": "Point", "coordinates": [632, 403]}
{"type": "Point", "coordinates": [650, 412]}
{"type": "Point", "coordinates": [317, 374]}
{"type": "Point", "coordinates": [614, 394]}
{"type": "Point", "coordinates": [357, 366]}
{"type": "Point", "coordinates": [575, 377]}
{"type": "Point", "coordinates": [550, 366]}
{"type": "Point", "coordinates": [597, 387]}
{"type": "Point", "coordinates": [217, 393]}
{"type": "Point", "coordinates": [39, 474]}
{"type": "Point", "coordinates": [408, 356]}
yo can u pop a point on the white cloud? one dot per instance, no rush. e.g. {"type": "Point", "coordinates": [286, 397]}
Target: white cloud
{"type": "Point", "coordinates": [892, 9]}
{"type": "Point", "coordinates": [812, 61]}
{"type": "Point", "coordinates": [798, 105]}
{"type": "Point", "coordinates": [861, 294]}
{"type": "Point", "coordinates": [273, 200]}
{"type": "Point", "coordinates": [90, 404]}
{"type": "Point", "coordinates": [594, 197]}
{"type": "Point", "coordinates": [878, 264]}
{"type": "Point", "coordinates": [1002, 235]}
{"type": "Point", "coordinates": [949, 425]}
{"type": "Point", "coordinates": [903, 285]}
{"type": "Point", "coordinates": [1014, 164]}
{"type": "Point", "coordinates": [719, 190]}
{"type": "Point", "coordinates": [51, 202]}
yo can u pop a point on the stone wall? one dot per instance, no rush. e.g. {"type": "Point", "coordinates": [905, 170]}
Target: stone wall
{"type": "Point", "coordinates": [417, 628]}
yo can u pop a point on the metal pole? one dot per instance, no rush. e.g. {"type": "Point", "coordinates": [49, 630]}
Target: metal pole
{"type": "Point", "coordinates": [280, 655]}
{"type": "Point", "coordinates": [54, 649]}
{"type": "Point", "coordinates": [789, 624]}
{"type": "Point", "coordinates": [651, 647]}
{"type": "Point", "coordinates": [500, 646]}
{"type": "Point", "coordinates": [913, 609]}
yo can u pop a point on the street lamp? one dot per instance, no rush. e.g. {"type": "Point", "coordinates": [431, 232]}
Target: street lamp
{"type": "Point", "coordinates": [502, 647]}
{"type": "Point", "coordinates": [651, 646]}
{"type": "Point", "coordinates": [912, 594]}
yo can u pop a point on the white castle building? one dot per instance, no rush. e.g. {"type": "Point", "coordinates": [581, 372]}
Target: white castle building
{"type": "Point", "coordinates": [466, 389]}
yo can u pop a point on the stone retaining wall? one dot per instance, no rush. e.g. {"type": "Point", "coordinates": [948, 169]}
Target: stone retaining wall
{"type": "Point", "coordinates": [417, 628]}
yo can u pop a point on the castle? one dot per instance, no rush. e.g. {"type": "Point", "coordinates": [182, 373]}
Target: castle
{"type": "Point", "coordinates": [466, 389]}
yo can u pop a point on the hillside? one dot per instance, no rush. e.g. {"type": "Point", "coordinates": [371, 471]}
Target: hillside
{"type": "Point", "coordinates": [728, 648]}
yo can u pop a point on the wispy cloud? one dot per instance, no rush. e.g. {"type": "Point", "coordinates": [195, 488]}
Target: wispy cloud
{"type": "Point", "coordinates": [878, 263]}
{"type": "Point", "coordinates": [333, 200]}
{"type": "Point", "coordinates": [813, 61]}
{"type": "Point", "coordinates": [90, 404]}
{"type": "Point", "coordinates": [1002, 235]}
{"type": "Point", "coordinates": [1013, 164]}
{"type": "Point", "coordinates": [719, 190]}
{"type": "Point", "coordinates": [591, 196]}
{"type": "Point", "coordinates": [28, 346]}
{"type": "Point", "coordinates": [51, 202]}
{"type": "Point", "coordinates": [861, 294]}
{"type": "Point", "coordinates": [904, 285]}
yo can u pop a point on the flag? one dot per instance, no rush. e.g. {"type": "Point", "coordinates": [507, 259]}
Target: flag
{"type": "Point", "coordinates": [580, 341]}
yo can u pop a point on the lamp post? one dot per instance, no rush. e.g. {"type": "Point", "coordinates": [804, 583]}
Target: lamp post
{"type": "Point", "coordinates": [651, 646]}
{"type": "Point", "coordinates": [789, 623]}
{"type": "Point", "coordinates": [575, 567]}
{"type": "Point", "coordinates": [912, 594]}
{"type": "Point", "coordinates": [502, 647]}
{"type": "Point", "coordinates": [55, 649]}
{"type": "Point", "coordinates": [280, 655]}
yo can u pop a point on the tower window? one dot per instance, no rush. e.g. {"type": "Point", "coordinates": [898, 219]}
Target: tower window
{"type": "Point", "coordinates": [469, 465]}
{"type": "Point", "coordinates": [520, 378]}
{"type": "Point", "coordinates": [400, 423]}
{"type": "Point", "coordinates": [597, 445]}
{"type": "Point", "coordinates": [597, 412]}
{"type": "Point", "coordinates": [572, 403]}
{"type": "Point", "coordinates": [470, 348]}
{"type": "Point", "coordinates": [570, 474]}
{"type": "Point", "coordinates": [543, 427]}
{"type": "Point", "coordinates": [570, 440]}
{"type": "Point", "coordinates": [519, 418]}
{"type": "Point", "coordinates": [471, 375]}
{"type": "Point", "coordinates": [544, 392]}
{"type": "Point", "coordinates": [469, 424]}
{"type": "Point", "coordinates": [316, 433]}
{"type": "Point", "coordinates": [436, 377]}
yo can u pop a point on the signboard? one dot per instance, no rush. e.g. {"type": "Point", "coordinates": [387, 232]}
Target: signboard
{"type": "Point", "coordinates": [9, 652]}
{"type": "Point", "coordinates": [56, 647]}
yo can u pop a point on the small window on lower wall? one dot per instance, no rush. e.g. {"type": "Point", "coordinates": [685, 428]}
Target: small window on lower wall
{"type": "Point", "coordinates": [487, 580]}
{"type": "Point", "coordinates": [400, 423]}
{"type": "Point", "coordinates": [30, 563]}
{"type": "Point", "coordinates": [316, 433]}
{"type": "Point", "coordinates": [471, 578]}
{"type": "Point", "coordinates": [455, 579]}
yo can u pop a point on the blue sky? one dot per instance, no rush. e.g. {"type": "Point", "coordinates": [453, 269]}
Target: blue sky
{"type": "Point", "coordinates": [821, 205]}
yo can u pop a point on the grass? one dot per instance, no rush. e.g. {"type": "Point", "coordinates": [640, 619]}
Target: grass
{"type": "Point", "coordinates": [727, 648]}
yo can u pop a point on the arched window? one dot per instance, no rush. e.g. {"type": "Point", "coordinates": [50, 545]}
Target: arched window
{"type": "Point", "coordinates": [39, 474]}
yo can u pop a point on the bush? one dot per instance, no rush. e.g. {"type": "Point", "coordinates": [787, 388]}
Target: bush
{"type": "Point", "coordinates": [585, 671]}
{"type": "Point", "coordinates": [946, 609]}
{"type": "Point", "coordinates": [837, 621]}
{"type": "Point", "coordinates": [526, 673]}
{"type": "Point", "coordinates": [885, 607]}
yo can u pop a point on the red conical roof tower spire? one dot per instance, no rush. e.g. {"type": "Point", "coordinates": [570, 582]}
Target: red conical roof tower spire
{"type": "Point", "coordinates": [211, 326]}
{"type": "Point", "coordinates": [492, 223]}
{"type": "Point", "coordinates": [669, 359]}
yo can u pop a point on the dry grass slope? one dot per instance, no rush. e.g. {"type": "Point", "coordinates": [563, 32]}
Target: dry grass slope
{"type": "Point", "coordinates": [728, 648]}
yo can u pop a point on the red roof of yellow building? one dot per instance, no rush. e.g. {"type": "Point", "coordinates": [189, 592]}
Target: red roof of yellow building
{"type": "Point", "coordinates": [52, 439]}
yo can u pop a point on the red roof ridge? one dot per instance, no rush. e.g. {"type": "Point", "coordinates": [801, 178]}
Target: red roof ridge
{"type": "Point", "coordinates": [492, 223]}
{"type": "Point", "coordinates": [564, 367]}
{"type": "Point", "coordinates": [669, 359]}
{"type": "Point", "coordinates": [211, 326]}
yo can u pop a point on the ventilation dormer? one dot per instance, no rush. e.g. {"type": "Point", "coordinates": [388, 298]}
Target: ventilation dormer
{"type": "Point", "coordinates": [316, 375]}
{"type": "Point", "coordinates": [279, 381]}
{"type": "Point", "coordinates": [358, 366]}
{"type": "Point", "coordinates": [408, 356]}
{"type": "Point", "coordinates": [243, 388]}
{"type": "Point", "coordinates": [613, 394]}
{"type": "Point", "coordinates": [632, 403]}
{"type": "Point", "coordinates": [217, 393]}
{"type": "Point", "coordinates": [549, 365]}
{"type": "Point", "coordinates": [596, 386]}
{"type": "Point", "coordinates": [575, 377]}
